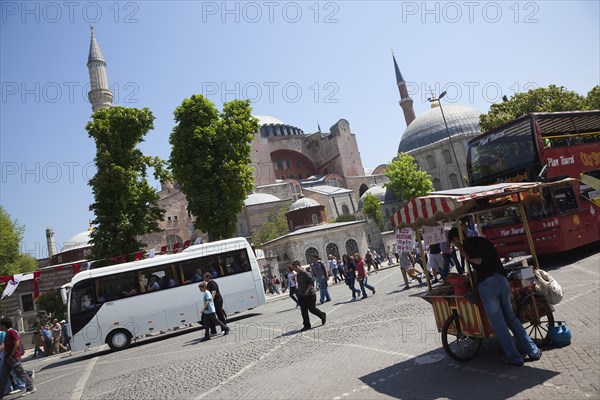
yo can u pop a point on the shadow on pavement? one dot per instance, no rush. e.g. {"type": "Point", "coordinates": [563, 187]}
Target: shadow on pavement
{"type": "Point", "coordinates": [482, 377]}
{"type": "Point", "coordinates": [551, 262]}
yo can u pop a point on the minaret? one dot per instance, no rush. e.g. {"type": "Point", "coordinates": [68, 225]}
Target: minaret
{"type": "Point", "coordinates": [100, 95]}
{"type": "Point", "coordinates": [405, 101]}
{"type": "Point", "coordinates": [51, 242]}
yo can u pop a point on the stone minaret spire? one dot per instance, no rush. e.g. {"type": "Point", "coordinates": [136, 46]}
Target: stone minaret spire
{"type": "Point", "coordinates": [405, 101]}
{"type": "Point", "coordinates": [51, 242]}
{"type": "Point", "coordinates": [100, 95]}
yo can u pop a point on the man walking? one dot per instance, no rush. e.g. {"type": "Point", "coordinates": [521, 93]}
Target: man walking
{"type": "Point", "coordinates": [208, 313]}
{"type": "Point", "coordinates": [307, 296]}
{"type": "Point", "coordinates": [213, 288]}
{"type": "Point", "coordinates": [12, 358]}
{"type": "Point", "coordinates": [333, 268]}
{"type": "Point", "coordinates": [494, 292]}
{"type": "Point", "coordinates": [322, 276]}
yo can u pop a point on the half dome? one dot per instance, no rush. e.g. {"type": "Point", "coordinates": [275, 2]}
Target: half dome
{"type": "Point", "coordinates": [78, 241]}
{"type": "Point", "coordinates": [304, 202]}
{"type": "Point", "coordinates": [260, 198]}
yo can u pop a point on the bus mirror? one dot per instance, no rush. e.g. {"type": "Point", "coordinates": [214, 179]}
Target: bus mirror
{"type": "Point", "coordinates": [542, 175]}
{"type": "Point", "coordinates": [64, 295]}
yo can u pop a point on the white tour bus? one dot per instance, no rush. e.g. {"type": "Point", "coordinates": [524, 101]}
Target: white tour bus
{"type": "Point", "coordinates": [114, 304]}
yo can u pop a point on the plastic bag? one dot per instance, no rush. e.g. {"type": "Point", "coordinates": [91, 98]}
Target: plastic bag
{"type": "Point", "coordinates": [548, 287]}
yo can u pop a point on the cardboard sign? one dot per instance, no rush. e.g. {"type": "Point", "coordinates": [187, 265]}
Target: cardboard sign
{"type": "Point", "coordinates": [434, 234]}
{"type": "Point", "coordinates": [404, 239]}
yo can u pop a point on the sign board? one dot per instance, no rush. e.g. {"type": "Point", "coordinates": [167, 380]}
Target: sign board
{"type": "Point", "coordinates": [404, 239]}
{"type": "Point", "coordinates": [434, 234]}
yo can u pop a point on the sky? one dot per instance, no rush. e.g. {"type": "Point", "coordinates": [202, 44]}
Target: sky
{"type": "Point", "coordinates": [306, 63]}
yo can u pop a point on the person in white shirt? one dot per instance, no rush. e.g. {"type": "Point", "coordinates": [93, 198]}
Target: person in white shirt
{"type": "Point", "coordinates": [292, 284]}
{"type": "Point", "coordinates": [333, 268]}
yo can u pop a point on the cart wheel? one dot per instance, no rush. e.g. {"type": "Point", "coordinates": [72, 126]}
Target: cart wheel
{"type": "Point", "coordinates": [463, 348]}
{"type": "Point", "coordinates": [536, 324]}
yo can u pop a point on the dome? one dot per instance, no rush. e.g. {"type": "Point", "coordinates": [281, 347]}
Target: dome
{"type": "Point", "coordinates": [429, 127]}
{"type": "Point", "coordinates": [78, 241]}
{"type": "Point", "coordinates": [268, 120]}
{"type": "Point", "coordinates": [384, 195]}
{"type": "Point", "coordinates": [304, 202]}
{"type": "Point", "coordinates": [260, 198]}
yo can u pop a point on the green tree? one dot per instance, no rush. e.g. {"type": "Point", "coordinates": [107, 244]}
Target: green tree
{"type": "Point", "coordinates": [275, 225]}
{"type": "Point", "coordinates": [52, 303]}
{"type": "Point", "coordinates": [210, 159]}
{"type": "Point", "coordinates": [550, 99]}
{"type": "Point", "coordinates": [11, 234]}
{"type": "Point", "coordinates": [406, 180]}
{"type": "Point", "coordinates": [372, 209]}
{"type": "Point", "coordinates": [125, 205]}
{"type": "Point", "coordinates": [345, 218]}
{"type": "Point", "coordinates": [27, 263]}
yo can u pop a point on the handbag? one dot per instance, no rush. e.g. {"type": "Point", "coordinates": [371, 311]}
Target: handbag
{"type": "Point", "coordinates": [548, 287]}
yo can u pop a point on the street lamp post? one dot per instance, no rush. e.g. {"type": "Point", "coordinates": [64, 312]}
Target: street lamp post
{"type": "Point", "coordinates": [431, 100]}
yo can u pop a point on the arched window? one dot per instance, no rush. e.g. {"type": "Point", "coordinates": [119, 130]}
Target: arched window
{"type": "Point", "coordinates": [351, 247]}
{"type": "Point", "coordinates": [447, 157]}
{"type": "Point", "coordinates": [172, 240]}
{"type": "Point", "coordinates": [437, 185]}
{"type": "Point", "coordinates": [332, 249]}
{"type": "Point", "coordinates": [430, 163]}
{"type": "Point", "coordinates": [309, 253]}
{"type": "Point", "coordinates": [345, 209]}
{"type": "Point", "coordinates": [315, 219]}
{"type": "Point", "coordinates": [453, 181]}
{"type": "Point", "coordinates": [363, 188]}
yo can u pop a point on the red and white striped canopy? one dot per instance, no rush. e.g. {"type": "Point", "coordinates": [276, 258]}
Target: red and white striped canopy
{"type": "Point", "coordinates": [428, 210]}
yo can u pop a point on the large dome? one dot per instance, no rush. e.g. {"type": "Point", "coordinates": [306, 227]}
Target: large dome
{"type": "Point", "coordinates": [268, 120]}
{"type": "Point", "coordinates": [260, 198]}
{"type": "Point", "coordinates": [304, 202]}
{"type": "Point", "coordinates": [429, 127]}
{"type": "Point", "coordinates": [384, 195]}
{"type": "Point", "coordinates": [78, 241]}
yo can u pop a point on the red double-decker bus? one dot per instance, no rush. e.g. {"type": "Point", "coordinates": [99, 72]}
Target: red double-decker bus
{"type": "Point", "coordinates": [549, 147]}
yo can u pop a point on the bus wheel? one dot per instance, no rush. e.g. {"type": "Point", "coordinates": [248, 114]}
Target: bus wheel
{"type": "Point", "coordinates": [119, 339]}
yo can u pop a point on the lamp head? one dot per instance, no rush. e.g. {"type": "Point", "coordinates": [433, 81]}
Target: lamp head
{"type": "Point", "coordinates": [442, 94]}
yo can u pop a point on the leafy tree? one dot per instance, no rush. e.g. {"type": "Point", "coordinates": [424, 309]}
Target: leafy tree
{"type": "Point", "coordinates": [27, 263]}
{"type": "Point", "coordinates": [550, 99]}
{"type": "Point", "coordinates": [11, 234]}
{"type": "Point", "coordinates": [406, 180]}
{"type": "Point", "coordinates": [125, 205]}
{"type": "Point", "coordinates": [210, 159]}
{"type": "Point", "coordinates": [275, 225]}
{"type": "Point", "coordinates": [372, 209]}
{"type": "Point", "coordinates": [51, 302]}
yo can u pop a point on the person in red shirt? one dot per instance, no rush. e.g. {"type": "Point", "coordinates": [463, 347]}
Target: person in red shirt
{"type": "Point", "coordinates": [12, 357]}
{"type": "Point", "coordinates": [361, 274]}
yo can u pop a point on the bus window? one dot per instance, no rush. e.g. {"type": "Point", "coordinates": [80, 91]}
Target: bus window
{"type": "Point", "coordinates": [192, 271]}
{"type": "Point", "coordinates": [543, 208]}
{"type": "Point", "coordinates": [113, 287]}
{"type": "Point", "coordinates": [157, 278]}
{"type": "Point", "coordinates": [565, 199]}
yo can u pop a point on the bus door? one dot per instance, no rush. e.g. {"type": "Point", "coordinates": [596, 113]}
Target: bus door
{"type": "Point", "coordinates": [83, 310]}
{"type": "Point", "coordinates": [575, 227]}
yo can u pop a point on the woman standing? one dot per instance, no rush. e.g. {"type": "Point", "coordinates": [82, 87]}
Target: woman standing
{"type": "Point", "coordinates": [361, 273]}
{"type": "Point", "coordinates": [350, 270]}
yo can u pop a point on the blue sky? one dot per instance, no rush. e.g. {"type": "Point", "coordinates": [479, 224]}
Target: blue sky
{"type": "Point", "coordinates": [302, 62]}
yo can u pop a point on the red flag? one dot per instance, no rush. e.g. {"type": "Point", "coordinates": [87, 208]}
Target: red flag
{"type": "Point", "coordinates": [114, 260]}
{"type": "Point", "coordinates": [124, 258]}
{"type": "Point", "coordinates": [6, 279]}
{"type": "Point", "coordinates": [36, 281]}
{"type": "Point", "coordinates": [138, 256]}
{"type": "Point", "coordinates": [76, 268]}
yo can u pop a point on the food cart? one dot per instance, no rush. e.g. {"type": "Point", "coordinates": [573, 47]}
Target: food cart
{"type": "Point", "coordinates": [459, 312]}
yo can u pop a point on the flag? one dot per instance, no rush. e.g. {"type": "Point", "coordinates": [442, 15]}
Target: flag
{"type": "Point", "coordinates": [36, 283]}
{"type": "Point", "coordinates": [151, 253]}
{"type": "Point", "coordinates": [138, 256]}
{"type": "Point", "coordinates": [76, 268]}
{"type": "Point", "coordinates": [11, 286]}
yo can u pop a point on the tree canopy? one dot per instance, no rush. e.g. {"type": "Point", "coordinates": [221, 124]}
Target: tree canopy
{"type": "Point", "coordinates": [275, 225]}
{"type": "Point", "coordinates": [406, 180]}
{"type": "Point", "coordinates": [550, 99]}
{"type": "Point", "coordinates": [11, 234]}
{"type": "Point", "coordinates": [125, 205]}
{"type": "Point", "coordinates": [372, 209]}
{"type": "Point", "coordinates": [210, 159]}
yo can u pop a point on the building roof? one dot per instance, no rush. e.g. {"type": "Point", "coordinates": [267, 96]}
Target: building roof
{"type": "Point", "coordinates": [260, 198]}
{"type": "Point", "coordinates": [78, 241]}
{"type": "Point", "coordinates": [317, 228]}
{"type": "Point", "coordinates": [429, 127]}
{"type": "Point", "coordinates": [304, 202]}
{"type": "Point", "coordinates": [327, 190]}
{"type": "Point", "coordinates": [95, 54]}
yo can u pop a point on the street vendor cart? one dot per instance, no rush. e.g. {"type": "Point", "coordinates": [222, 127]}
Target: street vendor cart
{"type": "Point", "coordinates": [459, 314]}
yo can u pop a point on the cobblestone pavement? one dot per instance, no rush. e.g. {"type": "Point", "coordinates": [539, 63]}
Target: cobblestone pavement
{"type": "Point", "coordinates": [385, 346]}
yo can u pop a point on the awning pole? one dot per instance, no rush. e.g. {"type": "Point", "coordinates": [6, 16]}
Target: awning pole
{"type": "Point", "coordinates": [462, 255]}
{"type": "Point", "coordinates": [527, 231]}
{"type": "Point", "coordinates": [423, 260]}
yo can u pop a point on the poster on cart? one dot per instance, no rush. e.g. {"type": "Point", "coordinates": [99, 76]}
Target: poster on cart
{"type": "Point", "coordinates": [434, 234]}
{"type": "Point", "coordinates": [404, 239]}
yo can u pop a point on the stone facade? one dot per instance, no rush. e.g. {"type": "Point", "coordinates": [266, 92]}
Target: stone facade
{"type": "Point", "coordinates": [253, 217]}
{"type": "Point", "coordinates": [337, 201]}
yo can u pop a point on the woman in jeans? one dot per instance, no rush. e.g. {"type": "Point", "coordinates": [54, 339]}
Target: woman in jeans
{"type": "Point", "coordinates": [361, 273]}
{"type": "Point", "coordinates": [350, 270]}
